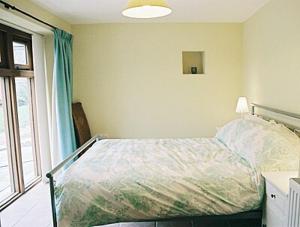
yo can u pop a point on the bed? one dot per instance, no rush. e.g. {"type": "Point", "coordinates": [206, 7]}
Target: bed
{"type": "Point", "coordinates": [121, 180]}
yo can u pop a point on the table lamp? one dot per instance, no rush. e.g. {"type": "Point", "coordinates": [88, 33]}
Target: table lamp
{"type": "Point", "coordinates": [242, 106]}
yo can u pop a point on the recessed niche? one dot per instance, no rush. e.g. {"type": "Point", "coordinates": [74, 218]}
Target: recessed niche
{"type": "Point", "coordinates": [193, 62]}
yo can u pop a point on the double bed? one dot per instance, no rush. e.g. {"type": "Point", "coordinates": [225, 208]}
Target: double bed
{"type": "Point", "coordinates": [121, 180]}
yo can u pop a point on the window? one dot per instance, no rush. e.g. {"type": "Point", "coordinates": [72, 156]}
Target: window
{"type": "Point", "coordinates": [19, 155]}
{"type": "Point", "coordinates": [5, 176]}
{"type": "Point", "coordinates": [22, 54]}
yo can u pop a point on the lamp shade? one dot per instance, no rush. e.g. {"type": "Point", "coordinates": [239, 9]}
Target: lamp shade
{"type": "Point", "coordinates": [145, 9]}
{"type": "Point", "coordinates": [242, 105]}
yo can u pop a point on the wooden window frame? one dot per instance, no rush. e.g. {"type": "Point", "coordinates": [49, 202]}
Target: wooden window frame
{"type": "Point", "coordinates": [10, 140]}
{"type": "Point", "coordinates": [8, 72]}
{"type": "Point", "coordinates": [3, 51]}
{"type": "Point", "coordinates": [11, 35]}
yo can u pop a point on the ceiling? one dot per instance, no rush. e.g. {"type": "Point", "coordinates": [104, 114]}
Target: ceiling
{"type": "Point", "coordinates": [109, 11]}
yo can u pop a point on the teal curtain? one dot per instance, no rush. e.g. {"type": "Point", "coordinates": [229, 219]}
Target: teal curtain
{"type": "Point", "coordinates": [62, 92]}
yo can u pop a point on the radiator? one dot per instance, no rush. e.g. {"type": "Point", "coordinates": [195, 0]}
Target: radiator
{"type": "Point", "coordinates": [294, 203]}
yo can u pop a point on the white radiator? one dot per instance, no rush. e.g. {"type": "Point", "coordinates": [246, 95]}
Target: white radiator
{"type": "Point", "coordinates": [294, 203]}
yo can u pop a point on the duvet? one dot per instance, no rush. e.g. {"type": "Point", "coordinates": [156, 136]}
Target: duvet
{"type": "Point", "coordinates": [129, 180]}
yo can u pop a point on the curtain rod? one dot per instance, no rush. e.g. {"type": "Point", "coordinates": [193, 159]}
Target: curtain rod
{"type": "Point", "coordinates": [9, 6]}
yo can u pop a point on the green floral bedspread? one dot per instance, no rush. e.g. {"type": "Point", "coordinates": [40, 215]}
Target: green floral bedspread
{"type": "Point", "coordinates": [128, 180]}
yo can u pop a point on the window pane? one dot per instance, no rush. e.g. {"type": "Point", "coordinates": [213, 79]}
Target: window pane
{"type": "Point", "coordinates": [6, 187]}
{"type": "Point", "coordinates": [25, 122]}
{"type": "Point", "coordinates": [20, 53]}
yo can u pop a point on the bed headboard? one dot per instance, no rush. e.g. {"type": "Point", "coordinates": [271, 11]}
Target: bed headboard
{"type": "Point", "coordinates": [283, 113]}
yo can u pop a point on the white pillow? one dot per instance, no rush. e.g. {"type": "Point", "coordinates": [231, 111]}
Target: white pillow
{"type": "Point", "coordinates": [233, 133]}
{"type": "Point", "coordinates": [266, 145]}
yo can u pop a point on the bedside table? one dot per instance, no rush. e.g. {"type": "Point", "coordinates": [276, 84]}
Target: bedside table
{"type": "Point", "coordinates": [275, 213]}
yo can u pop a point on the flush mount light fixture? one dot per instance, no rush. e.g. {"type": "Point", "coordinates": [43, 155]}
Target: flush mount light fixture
{"type": "Point", "coordinates": [145, 9]}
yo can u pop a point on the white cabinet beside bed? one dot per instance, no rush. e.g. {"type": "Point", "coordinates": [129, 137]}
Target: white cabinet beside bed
{"type": "Point", "coordinates": [276, 198]}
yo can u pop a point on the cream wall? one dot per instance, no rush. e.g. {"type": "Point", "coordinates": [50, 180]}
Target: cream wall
{"type": "Point", "coordinates": [129, 78]}
{"type": "Point", "coordinates": [272, 55]}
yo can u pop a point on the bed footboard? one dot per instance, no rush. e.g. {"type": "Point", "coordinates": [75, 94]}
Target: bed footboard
{"type": "Point", "coordinates": [60, 166]}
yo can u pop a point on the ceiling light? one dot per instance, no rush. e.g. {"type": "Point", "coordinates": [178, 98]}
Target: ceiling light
{"type": "Point", "coordinates": [145, 9]}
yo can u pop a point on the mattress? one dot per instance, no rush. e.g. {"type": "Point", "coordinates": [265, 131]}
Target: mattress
{"type": "Point", "coordinates": [152, 179]}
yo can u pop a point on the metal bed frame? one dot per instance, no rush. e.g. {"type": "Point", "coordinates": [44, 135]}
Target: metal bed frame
{"type": "Point", "coordinates": [251, 215]}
